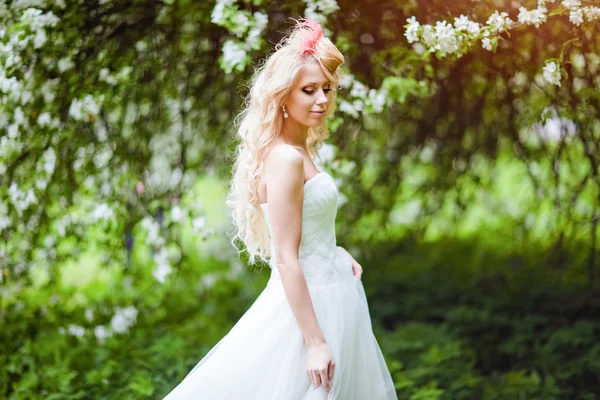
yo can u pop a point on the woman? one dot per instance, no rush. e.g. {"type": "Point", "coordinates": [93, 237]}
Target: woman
{"type": "Point", "coordinates": [308, 335]}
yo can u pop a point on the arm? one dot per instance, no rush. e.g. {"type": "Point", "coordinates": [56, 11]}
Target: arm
{"type": "Point", "coordinates": [285, 191]}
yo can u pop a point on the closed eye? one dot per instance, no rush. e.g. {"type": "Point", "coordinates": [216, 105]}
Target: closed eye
{"type": "Point", "coordinates": [308, 91]}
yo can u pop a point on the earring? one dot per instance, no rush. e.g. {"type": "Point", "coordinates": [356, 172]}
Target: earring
{"type": "Point", "coordinates": [285, 114]}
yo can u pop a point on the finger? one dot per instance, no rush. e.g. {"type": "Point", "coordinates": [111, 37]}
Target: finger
{"type": "Point", "coordinates": [324, 379]}
{"type": "Point", "coordinates": [317, 379]}
{"type": "Point", "coordinates": [330, 371]}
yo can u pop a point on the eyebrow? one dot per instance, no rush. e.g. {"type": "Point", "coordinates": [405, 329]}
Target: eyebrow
{"type": "Point", "coordinates": [316, 84]}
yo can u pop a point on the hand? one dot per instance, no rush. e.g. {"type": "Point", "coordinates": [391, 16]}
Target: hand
{"type": "Point", "coordinates": [320, 365]}
{"type": "Point", "coordinates": [356, 269]}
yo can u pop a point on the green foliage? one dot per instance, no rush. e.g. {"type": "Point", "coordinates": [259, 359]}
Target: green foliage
{"type": "Point", "coordinates": [458, 327]}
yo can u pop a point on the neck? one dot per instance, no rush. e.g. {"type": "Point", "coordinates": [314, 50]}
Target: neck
{"type": "Point", "coordinates": [294, 133]}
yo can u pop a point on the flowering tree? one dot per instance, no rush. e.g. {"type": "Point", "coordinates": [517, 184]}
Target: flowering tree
{"type": "Point", "coordinates": [519, 82]}
{"type": "Point", "coordinates": [88, 142]}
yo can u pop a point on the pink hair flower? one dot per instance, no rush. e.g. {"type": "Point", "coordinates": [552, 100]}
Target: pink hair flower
{"type": "Point", "coordinates": [315, 32]}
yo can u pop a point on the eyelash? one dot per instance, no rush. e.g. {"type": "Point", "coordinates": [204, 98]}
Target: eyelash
{"type": "Point", "coordinates": [312, 92]}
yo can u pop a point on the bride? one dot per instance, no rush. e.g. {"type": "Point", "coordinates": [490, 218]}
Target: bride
{"type": "Point", "coordinates": [308, 335]}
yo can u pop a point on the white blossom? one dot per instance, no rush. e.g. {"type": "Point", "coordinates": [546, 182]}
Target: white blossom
{"type": "Point", "coordinates": [554, 127]}
{"type": "Point", "coordinates": [4, 223]}
{"type": "Point", "coordinates": [346, 80]}
{"type": "Point", "coordinates": [176, 214]}
{"type": "Point", "coordinates": [19, 116]}
{"type": "Point", "coordinates": [412, 30]}
{"type": "Point", "coordinates": [76, 330]}
{"type": "Point", "coordinates": [233, 55]}
{"type": "Point", "coordinates": [49, 160]}
{"type": "Point", "coordinates": [447, 41]}
{"type": "Point", "coordinates": [377, 99]}
{"type": "Point", "coordinates": [208, 280]}
{"type": "Point", "coordinates": [326, 153]}
{"type": "Point", "coordinates": [499, 21]}
{"type": "Point", "coordinates": [241, 23]}
{"type": "Point", "coordinates": [4, 220]}
{"type": "Point", "coordinates": [152, 229]}
{"type": "Point", "coordinates": [142, 45]}
{"type": "Point", "coordinates": [347, 108]}
{"type": "Point", "coordinates": [105, 76]}
{"type": "Point", "coordinates": [48, 90]}
{"type": "Point", "coordinates": [11, 86]}
{"type": "Point", "coordinates": [162, 271]}
{"type": "Point", "coordinates": [261, 19]}
{"type": "Point", "coordinates": [359, 90]}
{"type": "Point", "coordinates": [592, 13]}
{"type": "Point", "coordinates": [218, 14]}
{"type": "Point", "coordinates": [319, 9]}
{"type": "Point", "coordinates": [13, 131]}
{"type": "Point", "coordinates": [39, 39]}
{"type": "Point", "coordinates": [486, 44]}
{"type": "Point", "coordinates": [102, 211]}
{"type": "Point", "coordinates": [474, 28]}
{"type": "Point", "coordinates": [198, 224]}
{"type": "Point", "coordinates": [102, 333]}
{"type": "Point", "coordinates": [44, 119]}
{"type": "Point", "coordinates": [358, 105]}
{"type": "Point", "coordinates": [428, 36]}
{"type": "Point", "coordinates": [311, 13]}
{"type": "Point", "coordinates": [85, 109]}
{"type": "Point", "coordinates": [65, 64]}
{"type": "Point", "coordinates": [570, 4]}
{"type": "Point", "coordinates": [36, 19]}
{"type": "Point", "coordinates": [260, 23]}
{"type": "Point", "coordinates": [576, 16]}
{"type": "Point", "coordinates": [534, 17]}
{"type": "Point", "coordinates": [552, 73]}
{"type": "Point", "coordinates": [123, 319]}
{"type": "Point", "coordinates": [26, 97]}
{"type": "Point", "coordinates": [21, 200]}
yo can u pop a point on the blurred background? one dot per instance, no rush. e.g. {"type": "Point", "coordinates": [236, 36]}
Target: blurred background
{"type": "Point", "coordinates": [466, 149]}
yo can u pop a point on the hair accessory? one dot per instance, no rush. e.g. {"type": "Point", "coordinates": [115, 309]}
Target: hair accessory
{"type": "Point", "coordinates": [315, 32]}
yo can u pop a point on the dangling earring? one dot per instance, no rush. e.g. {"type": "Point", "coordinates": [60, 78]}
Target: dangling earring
{"type": "Point", "coordinates": [285, 114]}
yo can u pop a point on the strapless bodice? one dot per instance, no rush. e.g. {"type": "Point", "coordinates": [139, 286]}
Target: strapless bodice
{"type": "Point", "coordinates": [322, 261]}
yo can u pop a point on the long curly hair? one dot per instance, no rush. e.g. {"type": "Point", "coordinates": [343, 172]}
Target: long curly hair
{"type": "Point", "coordinates": [261, 121]}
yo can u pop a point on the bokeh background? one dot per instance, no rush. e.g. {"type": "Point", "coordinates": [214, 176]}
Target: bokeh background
{"type": "Point", "coordinates": [466, 153]}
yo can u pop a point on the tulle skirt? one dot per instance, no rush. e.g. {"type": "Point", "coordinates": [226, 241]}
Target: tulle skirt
{"type": "Point", "coordinates": [263, 357]}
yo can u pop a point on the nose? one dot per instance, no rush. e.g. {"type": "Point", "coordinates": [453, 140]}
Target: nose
{"type": "Point", "coordinates": [322, 99]}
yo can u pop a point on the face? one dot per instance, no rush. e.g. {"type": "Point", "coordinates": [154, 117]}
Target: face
{"type": "Point", "coordinates": [309, 100]}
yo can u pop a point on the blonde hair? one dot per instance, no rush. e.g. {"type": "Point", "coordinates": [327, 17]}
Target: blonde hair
{"type": "Point", "coordinates": [261, 122]}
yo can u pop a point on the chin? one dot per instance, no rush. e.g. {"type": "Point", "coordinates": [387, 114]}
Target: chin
{"type": "Point", "coordinates": [315, 124]}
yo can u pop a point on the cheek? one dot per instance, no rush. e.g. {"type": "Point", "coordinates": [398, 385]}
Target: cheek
{"type": "Point", "coordinates": [301, 102]}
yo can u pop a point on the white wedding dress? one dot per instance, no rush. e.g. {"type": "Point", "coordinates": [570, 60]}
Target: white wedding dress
{"type": "Point", "coordinates": [263, 357]}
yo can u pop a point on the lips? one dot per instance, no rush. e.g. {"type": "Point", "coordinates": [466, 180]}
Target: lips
{"type": "Point", "coordinates": [322, 112]}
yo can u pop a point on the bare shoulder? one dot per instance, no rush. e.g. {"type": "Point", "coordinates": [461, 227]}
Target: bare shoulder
{"type": "Point", "coordinates": [284, 158]}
